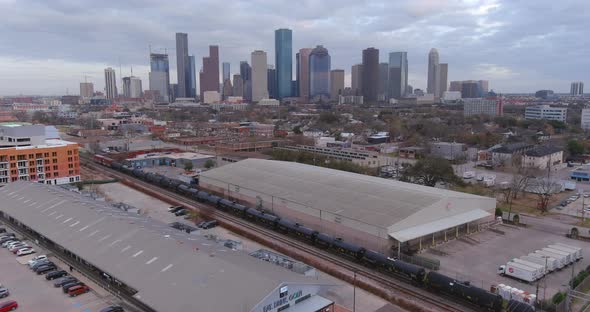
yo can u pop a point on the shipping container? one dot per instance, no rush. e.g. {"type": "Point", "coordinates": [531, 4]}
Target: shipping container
{"type": "Point", "coordinates": [520, 271]}
{"type": "Point", "coordinates": [570, 257]}
{"type": "Point", "coordinates": [577, 250]}
{"type": "Point", "coordinates": [561, 260]}
{"type": "Point", "coordinates": [535, 265]}
{"type": "Point", "coordinates": [550, 263]}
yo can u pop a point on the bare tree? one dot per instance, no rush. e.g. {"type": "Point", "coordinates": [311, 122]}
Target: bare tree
{"type": "Point", "coordinates": [518, 184]}
{"type": "Point", "coordinates": [545, 188]}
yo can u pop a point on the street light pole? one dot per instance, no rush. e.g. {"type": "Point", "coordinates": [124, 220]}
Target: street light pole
{"type": "Point", "coordinates": [354, 292]}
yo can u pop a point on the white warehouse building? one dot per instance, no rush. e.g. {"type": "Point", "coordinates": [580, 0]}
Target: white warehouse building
{"type": "Point", "coordinates": [546, 112]}
{"type": "Point", "coordinates": [380, 214]}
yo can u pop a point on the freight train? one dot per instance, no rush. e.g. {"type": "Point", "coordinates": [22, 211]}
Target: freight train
{"type": "Point", "coordinates": [413, 273]}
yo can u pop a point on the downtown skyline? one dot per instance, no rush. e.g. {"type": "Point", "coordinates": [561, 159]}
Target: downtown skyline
{"type": "Point", "coordinates": [484, 45]}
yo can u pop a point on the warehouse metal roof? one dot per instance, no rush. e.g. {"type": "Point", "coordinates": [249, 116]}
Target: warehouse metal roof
{"type": "Point", "coordinates": [170, 269]}
{"type": "Point", "coordinates": [397, 207]}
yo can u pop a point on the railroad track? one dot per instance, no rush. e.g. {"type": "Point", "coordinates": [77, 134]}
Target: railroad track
{"type": "Point", "coordinates": [436, 303]}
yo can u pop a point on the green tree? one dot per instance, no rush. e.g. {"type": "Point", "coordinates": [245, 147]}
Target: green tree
{"type": "Point", "coordinates": [209, 164]}
{"type": "Point", "coordinates": [429, 171]}
{"type": "Point", "coordinates": [575, 147]}
{"type": "Point", "coordinates": [188, 166]}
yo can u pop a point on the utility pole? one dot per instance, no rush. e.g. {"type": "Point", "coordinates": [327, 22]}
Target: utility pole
{"type": "Point", "coordinates": [354, 292]}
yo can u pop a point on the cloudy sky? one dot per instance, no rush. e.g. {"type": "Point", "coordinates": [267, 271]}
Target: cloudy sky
{"type": "Point", "coordinates": [48, 46]}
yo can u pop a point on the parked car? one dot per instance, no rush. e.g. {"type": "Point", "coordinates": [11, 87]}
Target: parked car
{"type": "Point", "coordinates": [112, 309]}
{"type": "Point", "coordinates": [4, 292]}
{"type": "Point", "coordinates": [25, 251]}
{"type": "Point", "coordinates": [45, 269]}
{"type": "Point", "coordinates": [16, 247]}
{"type": "Point", "coordinates": [9, 242]}
{"type": "Point", "coordinates": [64, 280]}
{"type": "Point", "coordinates": [78, 290]}
{"type": "Point", "coordinates": [55, 274]}
{"type": "Point", "coordinates": [40, 263]}
{"type": "Point", "coordinates": [6, 239]}
{"type": "Point", "coordinates": [8, 306]}
{"type": "Point", "coordinates": [200, 224]}
{"type": "Point", "coordinates": [66, 287]}
{"type": "Point", "coordinates": [181, 212]}
{"type": "Point", "coordinates": [16, 242]}
{"type": "Point", "coordinates": [174, 209]}
{"type": "Point", "coordinates": [35, 259]}
{"type": "Point", "coordinates": [6, 235]}
{"type": "Point", "coordinates": [2, 230]}
{"type": "Point", "coordinates": [210, 224]}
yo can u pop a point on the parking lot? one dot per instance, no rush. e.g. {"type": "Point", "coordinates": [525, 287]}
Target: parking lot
{"type": "Point", "coordinates": [574, 205]}
{"type": "Point", "coordinates": [33, 292]}
{"type": "Point", "coordinates": [476, 258]}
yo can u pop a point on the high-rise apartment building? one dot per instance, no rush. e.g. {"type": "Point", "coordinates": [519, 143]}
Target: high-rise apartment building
{"type": "Point", "coordinates": [110, 83]}
{"type": "Point", "coordinates": [577, 88]}
{"type": "Point", "coordinates": [492, 107]}
{"type": "Point", "coordinates": [160, 75]}
{"type": "Point", "coordinates": [272, 82]}
{"type": "Point", "coordinates": [226, 71]}
{"type": "Point", "coordinates": [26, 154]}
{"type": "Point", "coordinates": [132, 87]}
{"type": "Point", "coordinates": [182, 65]}
{"type": "Point", "coordinates": [336, 83]}
{"type": "Point", "coordinates": [192, 77]}
{"type": "Point", "coordinates": [319, 73]}
{"type": "Point", "coordinates": [357, 79]}
{"type": "Point", "coordinates": [284, 61]}
{"type": "Point", "coordinates": [456, 86]}
{"type": "Point", "coordinates": [209, 75]}
{"type": "Point", "coordinates": [433, 82]}
{"type": "Point", "coordinates": [443, 71]}
{"type": "Point", "coordinates": [259, 76]}
{"type": "Point", "coordinates": [303, 72]}
{"type": "Point", "coordinates": [86, 89]}
{"type": "Point", "coordinates": [398, 74]}
{"type": "Point", "coordinates": [370, 74]}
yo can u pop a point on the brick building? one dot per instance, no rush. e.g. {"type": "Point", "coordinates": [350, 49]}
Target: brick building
{"type": "Point", "coordinates": [27, 155]}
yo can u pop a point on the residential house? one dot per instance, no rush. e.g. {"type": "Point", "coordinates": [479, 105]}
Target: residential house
{"type": "Point", "coordinates": [543, 156]}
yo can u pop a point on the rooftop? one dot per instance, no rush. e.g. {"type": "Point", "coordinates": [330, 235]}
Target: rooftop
{"type": "Point", "coordinates": [541, 151]}
{"type": "Point", "coordinates": [511, 148]}
{"type": "Point", "coordinates": [184, 155]}
{"type": "Point", "coordinates": [386, 204]}
{"type": "Point", "coordinates": [170, 269]}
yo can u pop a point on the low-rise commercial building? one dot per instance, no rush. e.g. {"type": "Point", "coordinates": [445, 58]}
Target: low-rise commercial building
{"type": "Point", "coordinates": [542, 157]}
{"type": "Point", "coordinates": [179, 160]}
{"type": "Point", "coordinates": [448, 150]}
{"type": "Point", "coordinates": [585, 120]}
{"type": "Point", "coordinates": [361, 158]}
{"type": "Point", "coordinates": [546, 112]}
{"type": "Point", "coordinates": [158, 267]}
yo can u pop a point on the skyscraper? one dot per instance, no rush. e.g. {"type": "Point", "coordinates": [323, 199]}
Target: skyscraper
{"type": "Point", "coordinates": [182, 65]}
{"type": "Point", "coordinates": [259, 76]}
{"type": "Point", "coordinates": [357, 79]}
{"type": "Point", "coordinates": [209, 75]}
{"type": "Point", "coordinates": [110, 83]}
{"type": "Point", "coordinates": [227, 89]}
{"type": "Point", "coordinates": [443, 70]}
{"type": "Point", "coordinates": [272, 82]}
{"type": "Point", "coordinates": [398, 74]}
{"type": "Point", "coordinates": [86, 89]}
{"type": "Point", "coordinates": [284, 61]}
{"type": "Point", "coordinates": [192, 81]}
{"type": "Point", "coordinates": [238, 87]}
{"type": "Point", "coordinates": [246, 74]}
{"type": "Point", "coordinates": [319, 73]}
{"type": "Point", "coordinates": [160, 75]}
{"type": "Point", "coordinates": [336, 83]}
{"type": "Point", "coordinates": [577, 88]}
{"type": "Point", "coordinates": [382, 92]}
{"type": "Point", "coordinates": [456, 86]}
{"type": "Point", "coordinates": [370, 74]}
{"type": "Point", "coordinates": [433, 83]}
{"type": "Point", "coordinates": [303, 72]}
{"type": "Point", "coordinates": [132, 87]}
{"type": "Point", "coordinates": [226, 72]}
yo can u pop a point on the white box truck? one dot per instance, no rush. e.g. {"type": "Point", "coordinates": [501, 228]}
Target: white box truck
{"type": "Point", "coordinates": [577, 250]}
{"type": "Point", "coordinates": [468, 174]}
{"type": "Point", "coordinates": [519, 271]}
{"type": "Point", "coordinates": [560, 258]}
{"type": "Point", "coordinates": [540, 268]}
{"type": "Point", "coordinates": [568, 255]}
{"type": "Point", "coordinates": [550, 262]}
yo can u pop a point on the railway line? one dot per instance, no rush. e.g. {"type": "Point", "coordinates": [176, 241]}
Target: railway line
{"type": "Point", "coordinates": [408, 296]}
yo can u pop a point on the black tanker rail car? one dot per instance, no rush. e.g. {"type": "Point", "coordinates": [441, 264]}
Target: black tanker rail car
{"type": "Point", "coordinates": [464, 290]}
{"type": "Point", "coordinates": [433, 280]}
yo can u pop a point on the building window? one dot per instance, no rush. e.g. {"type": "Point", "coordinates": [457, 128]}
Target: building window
{"type": "Point", "coordinates": [46, 155]}
{"type": "Point", "coordinates": [54, 160]}
{"type": "Point", "coordinates": [54, 154]}
{"type": "Point", "coordinates": [55, 167]}
{"type": "Point", "coordinates": [12, 158]}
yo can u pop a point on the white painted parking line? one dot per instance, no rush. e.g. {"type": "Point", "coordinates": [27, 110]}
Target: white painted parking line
{"type": "Point", "coordinates": [125, 249]}
{"type": "Point", "coordinates": [137, 253]}
{"type": "Point", "coordinates": [67, 220]}
{"type": "Point", "coordinates": [107, 236]}
{"type": "Point", "coordinates": [74, 224]}
{"type": "Point", "coordinates": [93, 233]}
{"type": "Point", "coordinates": [167, 268]}
{"type": "Point", "coordinates": [152, 260]}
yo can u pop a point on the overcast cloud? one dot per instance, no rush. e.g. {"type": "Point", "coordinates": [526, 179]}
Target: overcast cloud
{"type": "Point", "coordinates": [47, 46]}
